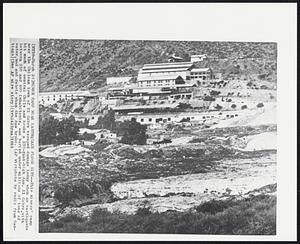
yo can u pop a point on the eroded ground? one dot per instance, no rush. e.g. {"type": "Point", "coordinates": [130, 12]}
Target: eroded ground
{"type": "Point", "coordinates": [208, 164]}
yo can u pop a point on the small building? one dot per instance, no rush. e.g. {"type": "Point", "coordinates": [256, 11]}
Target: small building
{"type": "Point", "coordinates": [50, 98]}
{"type": "Point", "coordinates": [117, 81]}
{"type": "Point", "coordinates": [198, 58]}
{"type": "Point", "coordinates": [201, 74]}
{"type": "Point", "coordinates": [175, 58]}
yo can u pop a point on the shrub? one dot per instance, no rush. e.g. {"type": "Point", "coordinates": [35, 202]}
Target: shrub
{"type": "Point", "coordinates": [214, 206]}
{"type": "Point", "coordinates": [71, 218]}
{"type": "Point", "coordinates": [214, 93]}
{"type": "Point", "coordinates": [233, 106]}
{"type": "Point", "coordinates": [185, 120]}
{"type": "Point", "coordinates": [143, 211]}
{"type": "Point", "coordinates": [218, 107]}
{"type": "Point", "coordinates": [184, 105]}
{"type": "Point", "coordinates": [244, 107]}
{"type": "Point", "coordinates": [197, 140]}
{"type": "Point", "coordinates": [209, 98]}
{"type": "Point", "coordinates": [260, 105]}
{"type": "Point", "coordinates": [87, 136]}
{"type": "Point", "coordinates": [249, 83]}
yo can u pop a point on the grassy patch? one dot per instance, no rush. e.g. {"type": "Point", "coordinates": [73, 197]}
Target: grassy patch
{"type": "Point", "coordinates": [252, 216]}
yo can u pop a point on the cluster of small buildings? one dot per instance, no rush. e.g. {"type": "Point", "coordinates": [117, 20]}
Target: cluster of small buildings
{"type": "Point", "coordinates": [157, 85]}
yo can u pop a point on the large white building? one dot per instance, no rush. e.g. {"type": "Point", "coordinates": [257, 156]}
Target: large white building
{"type": "Point", "coordinates": [162, 69]}
{"type": "Point", "coordinates": [50, 98]}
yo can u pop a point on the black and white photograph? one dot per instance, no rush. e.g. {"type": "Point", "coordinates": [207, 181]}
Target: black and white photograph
{"type": "Point", "coordinates": [157, 137]}
{"type": "Point", "coordinates": [150, 121]}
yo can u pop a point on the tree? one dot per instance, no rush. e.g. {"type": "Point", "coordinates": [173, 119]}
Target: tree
{"type": "Point", "coordinates": [233, 106]}
{"type": "Point", "coordinates": [108, 121]}
{"type": "Point", "coordinates": [53, 131]}
{"type": "Point", "coordinates": [244, 107]}
{"type": "Point", "coordinates": [132, 132]}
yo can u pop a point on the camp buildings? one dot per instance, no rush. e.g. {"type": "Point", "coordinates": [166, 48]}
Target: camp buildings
{"type": "Point", "coordinates": [173, 79]}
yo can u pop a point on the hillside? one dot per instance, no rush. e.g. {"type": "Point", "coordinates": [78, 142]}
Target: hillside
{"type": "Point", "coordinates": [85, 64]}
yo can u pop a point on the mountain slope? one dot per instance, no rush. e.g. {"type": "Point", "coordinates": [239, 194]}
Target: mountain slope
{"type": "Point", "coordinates": [85, 64]}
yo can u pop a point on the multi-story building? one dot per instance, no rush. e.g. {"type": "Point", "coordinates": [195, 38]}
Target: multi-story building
{"type": "Point", "coordinates": [200, 74]}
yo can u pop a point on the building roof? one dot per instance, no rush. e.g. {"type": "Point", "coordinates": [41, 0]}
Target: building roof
{"type": "Point", "coordinates": [198, 55]}
{"type": "Point", "coordinates": [184, 69]}
{"type": "Point", "coordinates": [65, 92]}
{"type": "Point", "coordinates": [167, 65]}
{"type": "Point", "coordinates": [200, 70]}
{"type": "Point", "coordinates": [163, 77]}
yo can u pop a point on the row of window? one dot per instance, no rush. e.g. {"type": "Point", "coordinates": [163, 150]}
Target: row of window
{"type": "Point", "coordinates": [200, 73]}
{"type": "Point", "coordinates": [199, 77]}
{"type": "Point", "coordinates": [159, 82]}
{"type": "Point", "coordinates": [188, 118]}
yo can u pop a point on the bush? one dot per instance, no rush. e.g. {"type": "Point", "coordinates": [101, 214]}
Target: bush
{"type": "Point", "coordinates": [218, 107]}
{"type": "Point", "coordinates": [197, 140]}
{"type": "Point", "coordinates": [214, 206]}
{"type": "Point", "coordinates": [233, 106]}
{"type": "Point", "coordinates": [184, 106]}
{"type": "Point", "coordinates": [87, 136]}
{"type": "Point", "coordinates": [76, 189]}
{"type": "Point", "coordinates": [143, 211]}
{"type": "Point", "coordinates": [185, 120]}
{"type": "Point", "coordinates": [214, 93]}
{"type": "Point", "coordinates": [209, 98]}
{"type": "Point", "coordinates": [72, 218]}
{"type": "Point", "coordinates": [244, 107]}
{"type": "Point", "coordinates": [249, 83]}
{"type": "Point", "coordinates": [260, 105]}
